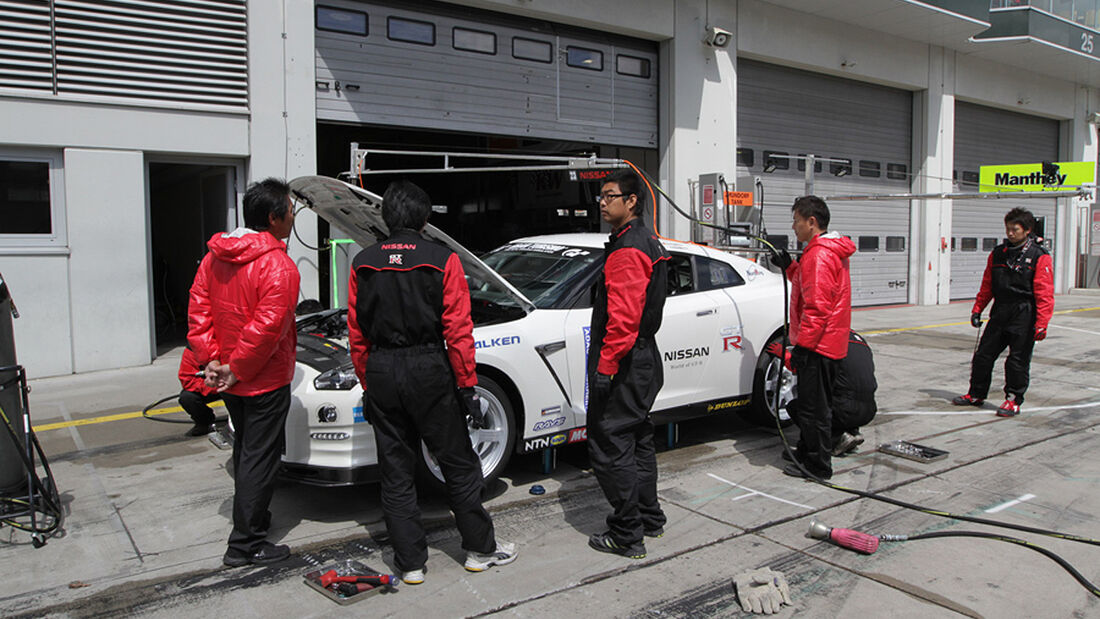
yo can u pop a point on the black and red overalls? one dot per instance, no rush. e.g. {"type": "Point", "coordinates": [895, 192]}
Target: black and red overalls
{"type": "Point", "coordinates": [1020, 282]}
{"type": "Point", "coordinates": [411, 340]}
{"type": "Point", "coordinates": [626, 314]}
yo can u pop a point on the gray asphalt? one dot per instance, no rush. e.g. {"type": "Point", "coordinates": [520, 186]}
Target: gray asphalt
{"type": "Point", "coordinates": [147, 510]}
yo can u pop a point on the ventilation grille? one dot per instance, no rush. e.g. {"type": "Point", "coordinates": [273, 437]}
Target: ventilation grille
{"type": "Point", "coordinates": [167, 51]}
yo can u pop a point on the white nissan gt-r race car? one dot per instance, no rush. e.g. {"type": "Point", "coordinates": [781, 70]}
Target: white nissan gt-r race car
{"type": "Point", "coordinates": [531, 305]}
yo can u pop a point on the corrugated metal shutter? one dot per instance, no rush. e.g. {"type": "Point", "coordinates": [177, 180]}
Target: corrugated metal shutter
{"type": "Point", "coordinates": [796, 112]}
{"type": "Point", "coordinates": [989, 136]}
{"type": "Point", "coordinates": [179, 52]}
{"type": "Point", "coordinates": [372, 79]}
{"type": "Point", "coordinates": [26, 56]}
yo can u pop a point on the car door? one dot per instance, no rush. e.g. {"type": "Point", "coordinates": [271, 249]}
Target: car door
{"type": "Point", "coordinates": [725, 376]}
{"type": "Point", "coordinates": [689, 330]}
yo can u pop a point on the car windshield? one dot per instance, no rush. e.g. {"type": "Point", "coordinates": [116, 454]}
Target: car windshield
{"type": "Point", "coordinates": [544, 272]}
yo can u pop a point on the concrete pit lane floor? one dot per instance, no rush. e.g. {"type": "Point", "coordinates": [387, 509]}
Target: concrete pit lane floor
{"type": "Point", "coordinates": [148, 510]}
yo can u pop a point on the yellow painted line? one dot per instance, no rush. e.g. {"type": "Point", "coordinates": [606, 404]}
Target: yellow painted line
{"type": "Point", "coordinates": [967, 322]}
{"type": "Point", "coordinates": [115, 417]}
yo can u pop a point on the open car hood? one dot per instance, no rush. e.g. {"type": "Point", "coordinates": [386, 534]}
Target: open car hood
{"type": "Point", "coordinates": [358, 213]}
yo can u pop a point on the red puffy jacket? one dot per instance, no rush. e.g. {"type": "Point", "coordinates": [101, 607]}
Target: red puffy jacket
{"type": "Point", "coordinates": [189, 380]}
{"type": "Point", "coordinates": [821, 296]}
{"type": "Point", "coordinates": [242, 310]}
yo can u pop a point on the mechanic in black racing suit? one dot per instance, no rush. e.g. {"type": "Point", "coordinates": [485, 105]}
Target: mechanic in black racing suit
{"type": "Point", "coordinates": [625, 370]}
{"type": "Point", "coordinates": [407, 296]}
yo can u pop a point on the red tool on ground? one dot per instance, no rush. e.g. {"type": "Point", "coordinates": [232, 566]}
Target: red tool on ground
{"type": "Point", "coordinates": [375, 580]}
{"type": "Point", "coordinates": [847, 538]}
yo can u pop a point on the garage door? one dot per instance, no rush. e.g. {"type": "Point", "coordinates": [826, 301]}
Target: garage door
{"type": "Point", "coordinates": [433, 67]}
{"type": "Point", "coordinates": [792, 112]}
{"type": "Point", "coordinates": [988, 136]}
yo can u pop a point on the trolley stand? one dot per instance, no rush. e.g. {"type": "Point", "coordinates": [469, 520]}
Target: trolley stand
{"type": "Point", "coordinates": [549, 460]}
{"type": "Point", "coordinates": [673, 435]}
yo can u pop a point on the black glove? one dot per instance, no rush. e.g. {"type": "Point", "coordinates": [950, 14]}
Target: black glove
{"type": "Point", "coordinates": [782, 259]}
{"type": "Point", "coordinates": [600, 388]}
{"type": "Point", "coordinates": [799, 355]}
{"type": "Point", "coordinates": [472, 405]}
{"type": "Point", "coordinates": [976, 320]}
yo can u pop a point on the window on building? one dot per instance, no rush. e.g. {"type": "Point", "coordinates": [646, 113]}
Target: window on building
{"type": "Point", "coordinates": [952, 243]}
{"type": "Point", "coordinates": [895, 243]}
{"type": "Point", "coordinates": [969, 243]}
{"type": "Point", "coordinates": [474, 40]}
{"type": "Point", "coordinates": [630, 65]}
{"type": "Point", "coordinates": [870, 169]}
{"type": "Point", "coordinates": [970, 177]}
{"type": "Point", "coordinates": [530, 49]}
{"type": "Point", "coordinates": [802, 164]}
{"type": "Point", "coordinates": [681, 279]}
{"type": "Point", "coordinates": [30, 188]}
{"type": "Point", "coordinates": [897, 171]}
{"type": "Point", "coordinates": [717, 274]}
{"type": "Point", "coordinates": [989, 243]}
{"type": "Point", "coordinates": [410, 31]}
{"type": "Point", "coordinates": [776, 160]}
{"type": "Point", "coordinates": [868, 243]}
{"type": "Point", "coordinates": [840, 168]}
{"type": "Point", "coordinates": [746, 157]}
{"type": "Point", "coordinates": [584, 58]}
{"type": "Point", "coordinates": [342, 20]}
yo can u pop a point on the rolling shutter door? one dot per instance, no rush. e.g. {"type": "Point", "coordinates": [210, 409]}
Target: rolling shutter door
{"type": "Point", "coordinates": [485, 73]}
{"type": "Point", "coordinates": [795, 112]}
{"type": "Point", "coordinates": [989, 136]}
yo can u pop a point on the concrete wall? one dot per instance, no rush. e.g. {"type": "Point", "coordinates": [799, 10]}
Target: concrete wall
{"type": "Point", "coordinates": [283, 136]}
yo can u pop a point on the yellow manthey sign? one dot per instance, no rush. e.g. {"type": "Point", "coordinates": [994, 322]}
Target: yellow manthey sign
{"type": "Point", "coordinates": [1045, 176]}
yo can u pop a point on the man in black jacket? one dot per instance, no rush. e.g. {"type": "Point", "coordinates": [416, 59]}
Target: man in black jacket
{"type": "Point", "coordinates": [625, 370]}
{"type": "Point", "coordinates": [411, 340]}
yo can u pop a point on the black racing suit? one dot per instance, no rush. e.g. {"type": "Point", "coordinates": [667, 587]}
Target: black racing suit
{"type": "Point", "coordinates": [1020, 283]}
{"type": "Point", "coordinates": [626, 314]}
{"type": "Point", "coordinates": [407, 298]}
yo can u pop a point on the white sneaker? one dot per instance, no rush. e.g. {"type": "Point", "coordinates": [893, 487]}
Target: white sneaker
{"type": "Point", "coordinates": [504, 554]}
{"type": "Point", "coordinates": [415, 577]}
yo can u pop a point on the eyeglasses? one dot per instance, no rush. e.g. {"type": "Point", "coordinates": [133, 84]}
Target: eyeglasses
{"type": "Point", "coordinates": [608, 197]}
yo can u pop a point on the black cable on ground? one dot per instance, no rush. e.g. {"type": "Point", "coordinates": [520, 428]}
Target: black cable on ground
{"type": "Point", "coordinates": [42, 498]}
{"type": "Point", "coordinates": [878, 497]}
{"type": "Point", "coordinates": [175, 396]}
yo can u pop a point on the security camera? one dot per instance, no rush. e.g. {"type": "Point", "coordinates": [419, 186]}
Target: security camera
{"type": "Point", "coordinates": [717, 37]}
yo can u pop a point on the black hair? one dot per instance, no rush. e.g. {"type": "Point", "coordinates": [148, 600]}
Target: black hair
{"type": "Point", "coordinates": [405, 205]}
{"type": "Point", "coordinates": [629, 184]}
{"type": "Point", "coordinates": [1021, 216]}
{"type": "Point", "coordinates": [812, 206]}
{"type": "Point", "coordinates": [264, 198]}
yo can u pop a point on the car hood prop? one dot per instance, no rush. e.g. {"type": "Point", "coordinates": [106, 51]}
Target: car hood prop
{"type": "Point", "coordinates": [358, 213]}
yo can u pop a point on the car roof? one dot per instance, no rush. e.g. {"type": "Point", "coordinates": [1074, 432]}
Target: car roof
{"type": "Point", "coordinates": [596, 240]}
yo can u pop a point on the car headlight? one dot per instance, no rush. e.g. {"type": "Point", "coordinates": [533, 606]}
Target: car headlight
{"type": "Point", "coordinates": [337, 378]}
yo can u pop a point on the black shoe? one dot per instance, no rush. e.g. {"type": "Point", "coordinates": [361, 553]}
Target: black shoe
{"type": "Point", "coordinates": [605, 543]}
{"type": "Point", "coordinates": [658, 532]}
{"type": "Point", "coordinates": [267, 554]}
{"type": "Point", "coordinates": [200, 429]}
{"type": "Point", "coordinates": [786, 455]}
{"type": "Point", "coordinates": [967, 400]}
{"type": "Point", "coordinates": [794, 470]}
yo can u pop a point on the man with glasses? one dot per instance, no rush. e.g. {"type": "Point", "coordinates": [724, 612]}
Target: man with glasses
{"type": "Point", "coordinates": [625, 371]}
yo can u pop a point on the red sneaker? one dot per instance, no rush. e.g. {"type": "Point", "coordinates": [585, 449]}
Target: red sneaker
{"type": "Point", "coordinates": [1009, 409]}
{"type": "Point", "coordinates": [967, 400]}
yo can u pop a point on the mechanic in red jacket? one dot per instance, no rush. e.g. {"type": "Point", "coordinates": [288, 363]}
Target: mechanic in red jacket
{"type": "Point", "coordinates": [625, 369]}
{"type": "Point", "coordinates": [241, 327]}
{"type": "Point", "coordinates": [195, 395]}
{"type": "Point", "coordinates": [821, 316]}
{"type": "Point", "coordinates": [411, 340]}
{"type": "Point", "coordinates": [1020, 281]}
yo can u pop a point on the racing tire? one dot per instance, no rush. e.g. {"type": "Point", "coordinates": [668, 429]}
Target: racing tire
{"type": "Point", "coordinates": [764, 383]}
{"type": "Point", "coordinates": [493, 445]}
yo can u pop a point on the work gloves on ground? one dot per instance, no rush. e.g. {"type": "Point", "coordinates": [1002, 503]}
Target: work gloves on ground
{"type": "Point", "coordinates": [1040, 333]}
{"type": "Point", "coordinates": [782, 259]}
{"type": "Point", "coordinates": [471, 404]}
{"type": "Point", "coordinates": [762, 591]}
{"type": "Point", "coordinates": [600, 389]}
{"type": "Point", "coordinates": [976, 320]}
{"type": "Point", "coordinates": [776, 350]}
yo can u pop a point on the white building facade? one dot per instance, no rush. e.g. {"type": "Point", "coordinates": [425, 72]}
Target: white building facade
{"type": "Point", "coordinates": [128, 130]}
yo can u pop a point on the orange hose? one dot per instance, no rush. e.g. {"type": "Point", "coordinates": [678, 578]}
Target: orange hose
{"type": "Point", "coordinates": [654, 196]}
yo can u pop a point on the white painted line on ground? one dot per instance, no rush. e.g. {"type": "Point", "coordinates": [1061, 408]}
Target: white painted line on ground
{"type": "Point", "coordinates": [1072, 329]}
{"type": "Point", "coordinates": [985, 411]}
{"type": "Point", "coordinates": [1004, 506]}
{"type": "Point", "coordinates": [757, 492]}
